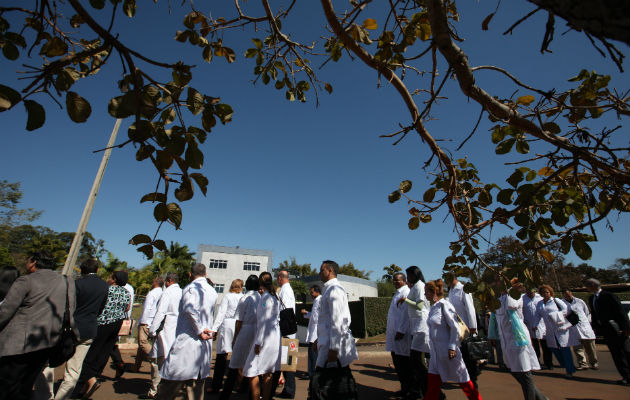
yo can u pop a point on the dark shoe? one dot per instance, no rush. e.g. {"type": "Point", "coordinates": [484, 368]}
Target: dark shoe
{"type": "Point", "coordinates": [582, 368]}
{"type": "Point", "coordinates": [91, 390]}
{"type": "Point", "coordinates": [120, 370]}
{"type": "Point", "coordinates": [285, 395]}
{"type": "Point", "coordinates": [595, 366]}
{"type": "Point", "coordinates": [146, 396]}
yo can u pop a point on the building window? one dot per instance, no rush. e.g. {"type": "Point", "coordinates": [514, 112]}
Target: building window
{"type": "Point", "coordinates": [217, 264]}
{"type": "Point", "coordinates": [219, 287]}
{"type": "Point", "coordinates": [251, 266]}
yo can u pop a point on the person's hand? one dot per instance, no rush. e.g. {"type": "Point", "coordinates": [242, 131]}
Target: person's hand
{"type": "Point", "coordinates": [304, 311]}
{"type": "Point", "coordinates": [401, 300]}
{"type": "Point", "coordinates": [399, 336]}
{"type": "Point", "coordinates": [205, 335]}
{"type": "Point", "coordinates": [332, 356]}
{"type": "Point", "coordinates": [451, 354]}
{"type": "Point", "coordinates": [257, 349]}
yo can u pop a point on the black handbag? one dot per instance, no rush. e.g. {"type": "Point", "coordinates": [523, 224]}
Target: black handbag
{"type": "Point", "coordinates": [573, 318]}
{"type": "Point", "coordinates": [67, 343]}
{"type": "Point", "coordinates": [288, 322]}
{"type": "Point", "coordinates": [476, 348]}
{"type": "Point", "coordinates": [334, 384]}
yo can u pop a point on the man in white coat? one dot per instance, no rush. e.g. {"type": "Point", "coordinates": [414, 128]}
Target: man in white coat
{"type": "Point", "coordinates": [530, 302]}
{"type": "Point", "coordinates": [397, 337]}
{"type": "Point", "coordinates": [465, 308]}
{"type": "Point", "coordinates": [311, 334]}
{"type": "Point", "coordinates": [287, 298]}
{"type": "Point", "coordinates": [162, 328]}
{"type": "Point", "coordinates": [188, 361]}
{"type": "Point", "coordinates": [335, 345]}
{"type": "Point", "coordinates": [144, 323]}
{"type": "Point", "coordinates": [583, 330]}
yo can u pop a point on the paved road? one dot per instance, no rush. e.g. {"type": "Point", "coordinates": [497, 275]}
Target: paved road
{"type": "Point", "coordinates": [377, 380]}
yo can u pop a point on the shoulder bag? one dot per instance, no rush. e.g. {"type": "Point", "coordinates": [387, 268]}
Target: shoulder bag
{"type": "Point", "coordinates": [462, 329]}
{"type": "Point", "coordinates": [65, 347]}
{"type": "Point", "coordinates": [572, 317]}
{"type": "Point", "coordinates": [288, 322]}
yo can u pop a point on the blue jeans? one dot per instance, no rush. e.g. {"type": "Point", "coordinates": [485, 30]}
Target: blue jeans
{"type": "Point", "coordinates": [565, 358]}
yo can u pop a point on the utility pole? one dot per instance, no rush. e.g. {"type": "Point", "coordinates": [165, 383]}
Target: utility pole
{"type": "Point", "coordinates": [73, 254]}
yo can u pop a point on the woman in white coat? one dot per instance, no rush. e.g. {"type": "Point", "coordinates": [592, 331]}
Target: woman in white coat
{"type": "Point", "coordinates": [264, 357]}
{"type": "Point", "coordinates": [582, 331]}
{"type": "Point", "coordinates": [558, 335]}
{"type": "Point", "coordinates": [446, 363]}
{"type": "Point", "coordinates": [244, 331]}
{"type": "Point", "coordinates": [518, 352]}
{"type": "Point", "coordinates": [224, 324]}
{"type": "Point", "coordinates": [397, 337]}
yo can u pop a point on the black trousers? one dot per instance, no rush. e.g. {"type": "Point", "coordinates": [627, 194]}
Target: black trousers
{"type": "Point", "coordinates": [530, 391]}
{"type": "Point", "coordinates": [419, 373]}
{"type": "Point", "coordinates": [471, 366]}
{"type": "Point", "coordinates": [619, 352]}
{"type": "Point", "coordinates": [220, 363]}
{"type": "Point", "coordinates": [546, 352]}
{"type": "Point", "coordinates": [289, 382]}
{"type": "Point", "coordinates": [18, 374]}
{"type": "Point", "coordinates": [96, 358]}
{"type": "Point", "coordinates": [228, 386]}
{"type": "Point", "coordinates": [402, 365]}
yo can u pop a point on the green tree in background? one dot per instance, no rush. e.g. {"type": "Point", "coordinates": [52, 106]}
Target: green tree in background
{"type": "Point", "coordinates": [10, 213]}
{"type": "Point", "coordinates": [351, 270]}
{"type": "Point", "coordinates": [385, 288]}
{"type": "Point", "coordinates": [295, 269]}
{"type": "Point", "coordinates": [176, 258]}
{"type": "Point", "coordinates": [300, 290]}
{"type": "Point", "coordinates": [390, 271]}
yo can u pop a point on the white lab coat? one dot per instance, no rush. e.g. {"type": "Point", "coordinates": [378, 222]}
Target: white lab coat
{"type": "Point", "coordinates": [333, 327]}
{"type": "Point", "coordinates": [529, 316]}
{"type": "Point", "coordinates": [517, 358]}
{"type": "Point", "coordinates": [224, 322]}
{"type": "Point", "coordinates": [288, 299]}
{"type": "Point", "coordinates": [398, 322]}
{"type": "Point", "coordinates": [150, 306]}
{"type": "Point", "coordinates": [246, 313]}
{"type": "Point", "coordinates": [190, 356]}
{"type": "Point", "coordinates": [463, 304]}
{"type": "Point", "coordinates": [583, 330]}
{"type": "Point", "coordinates": [313, 317]}
{"type": "Point", "coordinates": [418, 315]}
{"type": "Point", "coordinates": [167, 311]}
{"type": "Point", "coordinates": [557, 327]}
{"type": "Point", "coordinates": [132, 294]}
{"type": "Point", "coordinates": [267, 336]}
{"type": "Point", "coordinates": [443, 334]}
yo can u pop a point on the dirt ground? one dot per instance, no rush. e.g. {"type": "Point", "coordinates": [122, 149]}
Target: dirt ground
{"type": "Point", "coordinates": [376, 379]}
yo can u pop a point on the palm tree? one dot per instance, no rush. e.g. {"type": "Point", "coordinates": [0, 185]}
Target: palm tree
{"type": "Point", "coordinates": [177, 258]}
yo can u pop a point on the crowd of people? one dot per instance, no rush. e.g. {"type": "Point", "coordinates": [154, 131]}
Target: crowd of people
{"type": "Point", "coordinates": [429, 327]}
{"type": "Point", "coordinates": [422, 324]}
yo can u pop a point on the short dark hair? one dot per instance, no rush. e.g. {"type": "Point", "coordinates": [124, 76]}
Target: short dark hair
{"type": "Point", "coordinates": [316, 288]}
{"type": "Point", "coordinates": [266, 280]}
{"type": "Point", "coordinates": [592, 282]}
{"type": "Point", "coordinates": [401, 274]}
{"type": "Point", "coordinates": [416, 272]}
{"type": "Point", "coordinates": [160, 280]}
{"type": "Point", "coordinates": [173, 277]}
{"type": "Point", "coordinates": [8, 275]}
{"type": "Point", "coordinates": [198, 270]}
{"type": "Point", "coordinates": [252, 282]}
{"type": "Point", "coordinates": [331, 265]}
{"type": "Point", "coordinates": [121, 277]}
{"type": "Point", "coordinates": [44, 259]}
{"type": "Point", "coordinates": [90, 266]}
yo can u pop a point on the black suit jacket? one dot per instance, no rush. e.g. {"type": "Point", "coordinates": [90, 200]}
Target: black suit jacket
{"type": "Point", "coordinates": [608, 308]}
{"type": "Point", "coordinates": [91, 292]}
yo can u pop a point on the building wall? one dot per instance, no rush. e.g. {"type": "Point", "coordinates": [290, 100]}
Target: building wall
{"type": "Point", "coordinates": [235, 259]}
{"type": "Point", "coordinates": [354, 287]}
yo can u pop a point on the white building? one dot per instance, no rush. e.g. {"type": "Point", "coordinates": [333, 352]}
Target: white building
{"type": "Point", "coordinates": [355, 287]}
{"type": "Point", "coordinates": [224, 264]}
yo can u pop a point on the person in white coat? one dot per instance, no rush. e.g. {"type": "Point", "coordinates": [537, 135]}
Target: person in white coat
{"type": "Point", "coordinates": [224, 324]}
{"type": "Point", "coordinates": [397, 337]}
{"type": "Point", "coordinates": [418, 315]}
{"type": "Point", "coordinates": [162, 328]}
{"type": "Point", "coordinates": [287, 300]}
{"type": "Point", "coordinates": [149, 309]}
{"type": "Point", "coordinates": [264, 356]}
{"type": "Point", "coordinates": [465, 308]}
{"type": "Point", "coordinates": [336, 349]}
{"type": "Point", "coordinates": [446, 363]}
{"type": "Point", "coordinates": [558, 336]}
{"type": "Point", "coordinates": [189, 358]}
{"type": "Point", "coordinates": [530, 301]}
{"type": "Point", "coordinates": [311, 334]}
{"type": "Point", "coordinates": [244, 331]}
{"type": "Point", "coordinates": [583, 330]}
{"type": "Point", "coordinates": [518, 353]}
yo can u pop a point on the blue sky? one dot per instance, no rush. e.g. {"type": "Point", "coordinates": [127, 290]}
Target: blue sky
{"type": "Point", "coordinates": [303, 181]}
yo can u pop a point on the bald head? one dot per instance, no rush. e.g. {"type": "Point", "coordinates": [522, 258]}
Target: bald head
{"type": "Point", "coordinates": [283, 277]}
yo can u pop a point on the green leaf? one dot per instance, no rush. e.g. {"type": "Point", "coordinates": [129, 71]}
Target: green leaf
{"type": "Point", "coordinates": [525, 100]}
{"type": "Point", "coordinates": [160, 212]}
{"type": "Point", "coordinates": [185, 190]}
{"type": "Point", "coordinates": [405, 186]}
{"type": "Point", "coordinates": [581, 248]}
{"type": "Point", "coordinates": [195, 101]}
{"type": "Point", "coordinates": [36, 115]}
{"type": "Point", "coordinates": [201, 181]}
{"type": "Point", "coordinates": [565, 244]}
{"type": "Point", "coordinates": [129, 8]}
{"type": "Point", "coordinates": [425, 218]}
{"type": "Point", "coordinates": [156, 196]}
{"type": "Point", "coordinates": [76, 21]}
{"type": "Point", "coordinates": [224, 112]}
{"type": "Point", "coordinates": [505, 196]}
{"type": "Point", "coordinates": [122, 106]}
{"type": "Point", "coordinates": [16, 39]}
{"type": "Point", "coordinates": [147, 249]}
{"type": "Point", "coordinates": [98, 4]}
{"type": "Point", "coordinates": [143, 131]}
{"type": "Point", "coordinates": [144, 152]}
{"type": "Point", "coordinates": [522, 219]}
{"type": "Point", "coordinates": [522, 146]}
{"type": "Point", "coordinates": [498, 134]}
{"type": "Point", "coordinates": [10, 51]}
{"type": "Point", "coordinates": [485, 198]}
{"type": "Point", "coordinates": [531, 175]}
{"type": "Point", "coordinates": [429, 195]}
{"type": "Point", "coordinates": [393, 196]}
{"type": "Point", "coordinates": [552, 127]}
{"type": "Point", "coordinates": [140, 238]}
{"type": "Point", "coordinates": [505, 146]}
{"type": "Point", "coordinates": [55, 47]}
{"type": "Point", "coordinates": [515, 178]}
{"type": "Point", "coordinates": [194, 156]}
{"type": "Point", "coordinates": [160, 245]}
{"type": "Point", "coordinates": [168, 116]}
{"type": "Point", "coordinates": [207, 53]}
{"type": "Point", "coordinates": [78, 108]}
{"type": "Point", "coordinates": [328, 88]}
{"type": "Point", "coordinates": [8, 98]}
{"type": "Point", "coordinates": [164, 159]}
{"type": "Point", "coordinates": [174, 214]}
{"type": "Point", "coordinates": [207, 119]}
{"type": "Point", "coordinates": [414, 223]}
